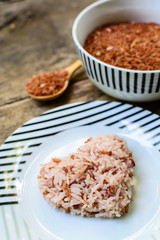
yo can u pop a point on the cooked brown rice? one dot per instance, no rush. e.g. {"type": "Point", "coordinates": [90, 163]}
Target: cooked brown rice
{"type": "Point", "coordinates": [95, 181]}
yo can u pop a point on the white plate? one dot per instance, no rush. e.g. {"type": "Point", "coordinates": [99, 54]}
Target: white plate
{"type": "Point", "coordinates": [51, 223]}
{"type": "Point", "coordinates": [35, 143]}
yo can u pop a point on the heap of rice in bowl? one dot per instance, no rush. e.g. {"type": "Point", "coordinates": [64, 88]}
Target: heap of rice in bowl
{"type": "Point", "coordinates": [95, 181]}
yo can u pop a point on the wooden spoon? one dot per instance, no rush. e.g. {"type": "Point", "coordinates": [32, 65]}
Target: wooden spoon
{"type": "Point", "coordinates": [70, 69]}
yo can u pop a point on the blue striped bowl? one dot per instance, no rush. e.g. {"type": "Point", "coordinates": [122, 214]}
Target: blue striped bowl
{"type": "Point", "coordinates": [121, 83]}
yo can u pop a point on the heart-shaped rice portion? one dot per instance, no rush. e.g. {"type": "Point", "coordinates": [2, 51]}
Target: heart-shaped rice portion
{"type": "Point", "coordinates": [95, 181]}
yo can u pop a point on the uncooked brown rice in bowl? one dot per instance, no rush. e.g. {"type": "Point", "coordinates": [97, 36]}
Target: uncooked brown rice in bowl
{"type": "Point", "coordinates": [129, 45]}
{"type": "Point", "coordinates": [95, 181]}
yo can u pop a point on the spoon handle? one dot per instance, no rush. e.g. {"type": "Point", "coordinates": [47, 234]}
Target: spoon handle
{"type": "Point", "coordinates": [73, 67]}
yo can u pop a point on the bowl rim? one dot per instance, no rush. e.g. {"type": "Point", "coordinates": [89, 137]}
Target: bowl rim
{"type": "Point", "coordinates": [77, 43]}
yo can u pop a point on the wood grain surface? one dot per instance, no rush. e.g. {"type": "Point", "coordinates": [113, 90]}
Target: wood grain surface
{"type": "Point", "coordinates": [35, 37]}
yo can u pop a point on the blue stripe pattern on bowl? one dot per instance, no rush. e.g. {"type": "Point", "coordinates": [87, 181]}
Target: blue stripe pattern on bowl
{"type": "Point", "coordinates": [135, 85]}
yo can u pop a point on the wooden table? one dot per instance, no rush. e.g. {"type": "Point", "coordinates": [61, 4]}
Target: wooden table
{"type": "Point", "coordinates": [35, 37]}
